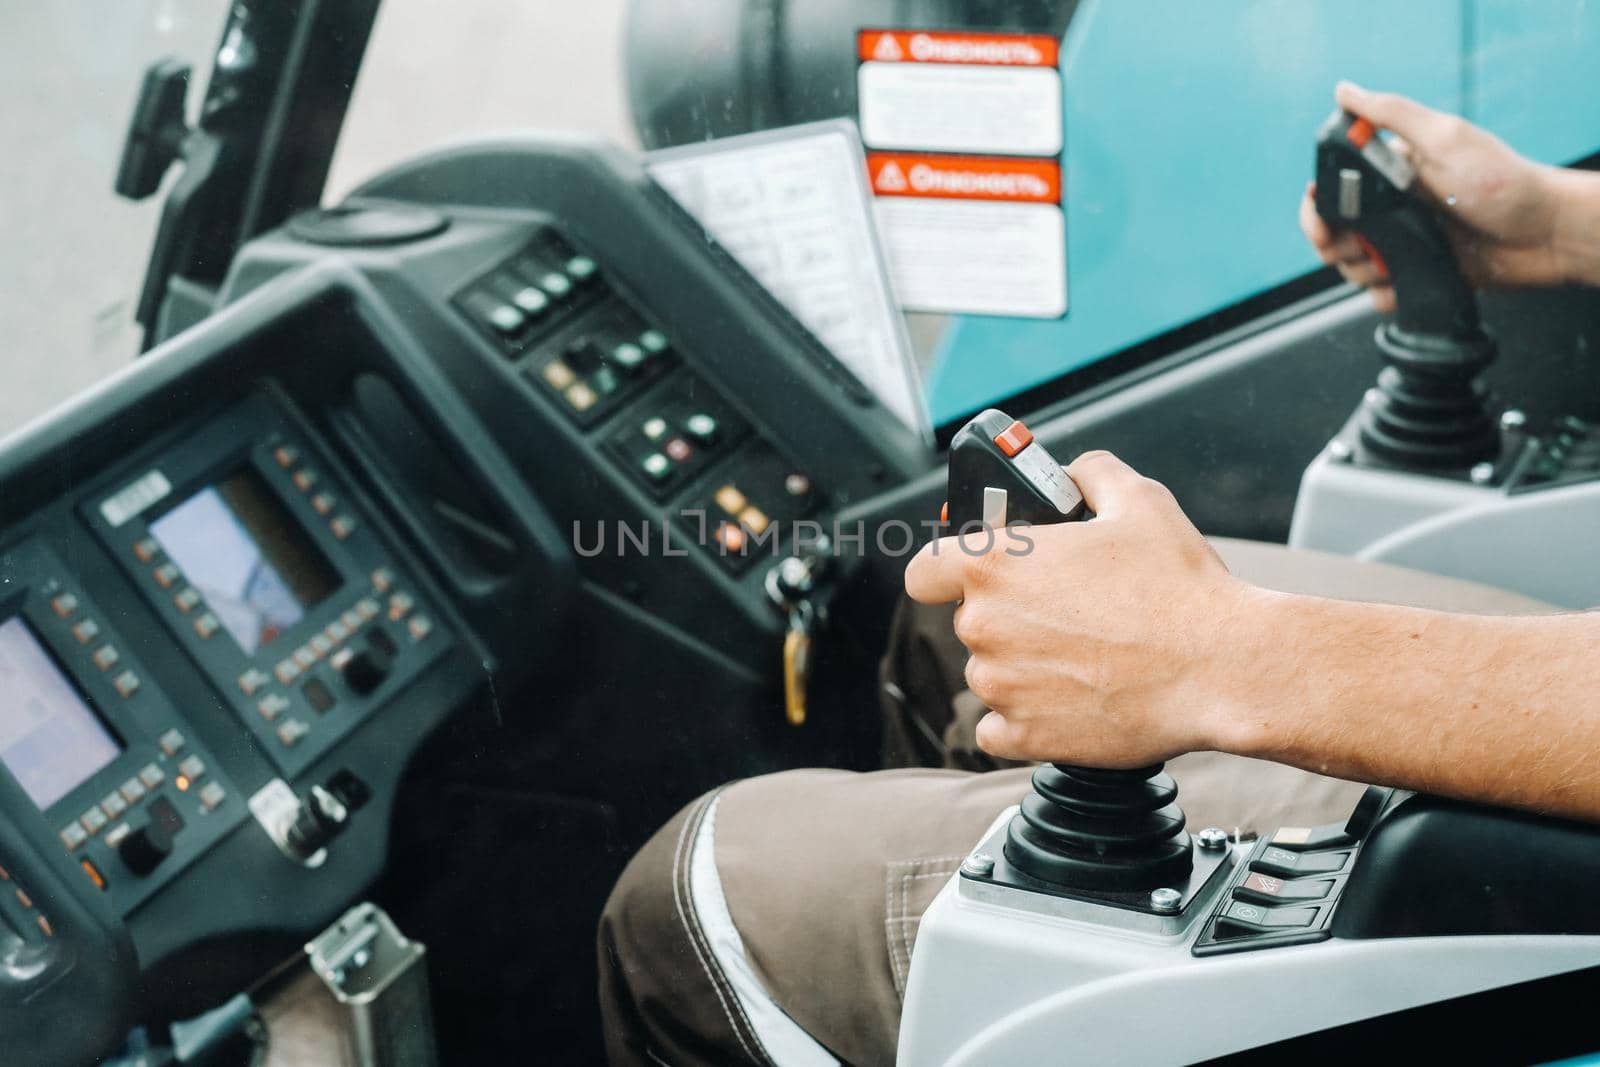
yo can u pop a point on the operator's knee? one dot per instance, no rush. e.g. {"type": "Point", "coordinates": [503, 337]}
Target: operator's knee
{"type": "Point", "coordinates": [774, 920]}
{"type": "Point", "coordinates": [659, 1003]}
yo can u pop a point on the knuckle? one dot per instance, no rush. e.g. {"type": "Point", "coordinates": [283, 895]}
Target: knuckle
{"type": "Point", "coordinates": [972, 626]}
{"type": "Point", "coordinates": [983, 568]}
{"type": "Point", "coordinates": [986, 682]}
{"type": "Point", "coordinates": [1449, 130]}
{"type": "Point", "coordinates": [1153, 492]}
{"type": "Point", "coordinates": [995, 736]}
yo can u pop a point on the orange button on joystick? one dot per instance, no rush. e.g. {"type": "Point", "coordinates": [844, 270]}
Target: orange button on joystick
{"type": "Point", "coordinates": [1014, 438]}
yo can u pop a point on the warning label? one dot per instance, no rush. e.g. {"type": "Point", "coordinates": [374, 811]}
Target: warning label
{"type": "Point", "coordinates": [964, 132]}
{"type": "Point", "coordinates": [1028, 181]}
{"type": "Point", "coordinates": [987, 49]}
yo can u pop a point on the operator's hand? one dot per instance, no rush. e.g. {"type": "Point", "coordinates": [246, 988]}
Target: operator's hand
{"type": "Point", "coordinates": [1092, 642]}
{"type": "Point", "coordinates": [1499, 209]}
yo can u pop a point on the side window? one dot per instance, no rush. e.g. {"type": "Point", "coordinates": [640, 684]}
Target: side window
{"type": "Point", "coordinates": [76, 252]}
{"type": "Point", "coordinates": [1189, 141]}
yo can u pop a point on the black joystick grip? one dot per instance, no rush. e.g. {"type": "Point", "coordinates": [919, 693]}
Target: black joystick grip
{"type": "Point", "coordinates": [1429, 410]}
{"type": "Point", "coordinates": [999, 474]}
{"type": "Point", "coordinates": [1366, 188]}
{"type": "Point", "coordinates": [1083, 829]}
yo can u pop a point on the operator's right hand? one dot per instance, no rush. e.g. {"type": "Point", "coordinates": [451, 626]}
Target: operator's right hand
{"type": "Point", "coordinates": [1499, 209]}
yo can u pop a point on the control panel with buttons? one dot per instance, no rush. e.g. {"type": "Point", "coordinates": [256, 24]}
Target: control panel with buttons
{"type": "Point", "coordinates": [1569, 453]}
{"type": "Point", "coordinates": [260, 561]}
{"type": "Point", "coordinates": [607, 358]}
{"type": "Point", "coordinates": [110, 759]}
{"type": "Point", "coordinates": [748, 510]}
{"type": "Point", "coordinates": [1287, 889]}
{"type": "Point", "coordinates": [609, 369]}
{"type": "Point", "coordinates": [676, 432]}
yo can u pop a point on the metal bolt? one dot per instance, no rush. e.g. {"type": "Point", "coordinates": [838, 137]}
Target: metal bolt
{"type": "Point", "coordinates": [1481, 473]}
{"type": "Point", "coordinates": [1165, 900]}
{"type": "Point", "coordinates": [1212, 839]}
{"type": "Point", "coordinates": [1512, 419]}
{"type": "Point", "coordinates": [978, 865]}
{"type": "Point", "coordinates": [1338, 451]}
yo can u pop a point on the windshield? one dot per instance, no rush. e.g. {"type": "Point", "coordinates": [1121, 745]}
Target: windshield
{"type": "Point", "coordinates": [1052, 183]}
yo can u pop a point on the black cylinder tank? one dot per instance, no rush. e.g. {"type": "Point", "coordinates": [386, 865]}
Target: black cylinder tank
{"type": "Point", "coordinates": [698, 69]}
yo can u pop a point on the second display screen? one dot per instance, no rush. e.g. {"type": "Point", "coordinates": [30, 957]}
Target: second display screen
{"type": "Point", "coordinates": [241, 549]}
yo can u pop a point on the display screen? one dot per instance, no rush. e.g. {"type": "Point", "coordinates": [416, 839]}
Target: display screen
{"type": "Point", "coordinates": [50, 740]}
{"type": "Point", "coordinates": [239, 546]}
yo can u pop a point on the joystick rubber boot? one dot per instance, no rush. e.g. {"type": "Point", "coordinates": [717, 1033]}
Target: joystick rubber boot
{"type": "Point", "coordinates": [1100, 830]}
{"type": "Point", "coordinates": [1430, 410]}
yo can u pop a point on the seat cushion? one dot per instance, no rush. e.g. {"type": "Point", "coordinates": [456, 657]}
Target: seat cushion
{"type": "Point", "coordinates": [1299, 570]}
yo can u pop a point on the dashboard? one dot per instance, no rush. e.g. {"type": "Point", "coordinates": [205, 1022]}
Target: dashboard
{"type": "Point", "coordinates": [424, 458]}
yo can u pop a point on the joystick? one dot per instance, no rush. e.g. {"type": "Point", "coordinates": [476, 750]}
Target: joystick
{"type": "Point", "coordinates": [1430, 411]}
{"type": "Point", "coordinates": [1082, 829]}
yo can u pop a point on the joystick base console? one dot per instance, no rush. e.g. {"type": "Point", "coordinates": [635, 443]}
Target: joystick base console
{"type": "Point", "coordinates": [1122, 909]}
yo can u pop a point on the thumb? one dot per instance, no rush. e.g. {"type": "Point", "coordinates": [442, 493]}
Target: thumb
{"type": "Point", "coordinates": [1106, 481]}
{"type": "Point", "coordinates": [1403, 115]}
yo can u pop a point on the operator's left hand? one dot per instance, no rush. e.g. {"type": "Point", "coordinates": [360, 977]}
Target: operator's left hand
{"type": "Point", "coordinates": [1102, 643]}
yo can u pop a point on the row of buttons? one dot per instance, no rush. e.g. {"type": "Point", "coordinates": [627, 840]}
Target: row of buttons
{"type": "Point", "coordinates": [1287, 885]}
{"type": "Point", "coordinates": [113, 805]}
{"type": "Point", "coordinates": [319, 645]}
{"type": "Point", "coordinates": [524, 290]}
{"type": "Point", "coordinates": [186, 598]}
{"type": "Point", "coordinates": [22, 897]}
{"type": "Point", "coordinates": [85, 631]}
{"type": "Point", "coordinates": [323, 502]}
{"type": "Point", "coordinates": [331, 644]}
{"type": "Point", "coordinates": [587, 373]}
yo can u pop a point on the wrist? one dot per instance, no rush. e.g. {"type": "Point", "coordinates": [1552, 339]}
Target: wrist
{"type": "Point", "coordinates": [1575, 226]}
{"type": "Point", "coordinates": [1247, 682]}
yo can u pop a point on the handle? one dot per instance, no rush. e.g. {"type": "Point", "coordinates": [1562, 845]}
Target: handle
{"type": "Point", "coordinates": [1365, 188]}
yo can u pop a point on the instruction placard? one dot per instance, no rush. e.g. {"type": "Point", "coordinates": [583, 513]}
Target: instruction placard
{"type": "Point", "coordinates": [965, 137]}
{"type": "Point", "coordinates": [791, 205]}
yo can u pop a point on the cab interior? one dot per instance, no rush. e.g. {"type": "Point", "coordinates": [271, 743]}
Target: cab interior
{"type": "Point", "coordinates": [514, 644]}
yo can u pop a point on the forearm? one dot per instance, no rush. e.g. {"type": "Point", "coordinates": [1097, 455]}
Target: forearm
{"type": "Point", "coordinates": [1577, 224]}
{"type": "Point", "coordinates": [1500, 710]}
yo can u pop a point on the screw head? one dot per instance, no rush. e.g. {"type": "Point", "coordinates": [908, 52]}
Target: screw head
{"type": "Point", "coordinates": [1481, 473]}
{"type": "Point", "coordinates": [1212, 839]}
{"type": "Point", "coordinates": [1513, 419]}
{"type": "Point", "coordinates": [1338, 451]}
{"type": "Point", "coordinates": [1165, 900]}
{"type": "Point", "coordinates": [978, 865]}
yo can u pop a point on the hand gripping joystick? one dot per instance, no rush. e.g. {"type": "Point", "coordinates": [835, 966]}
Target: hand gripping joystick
{"type": "Point", "coordinates": [1104, 831]}
{"type": "Point", "coordinates": [1429, 411]}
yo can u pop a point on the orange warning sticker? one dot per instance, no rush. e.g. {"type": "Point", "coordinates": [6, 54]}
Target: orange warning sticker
{"type": "Point", "coordinates": [978, 49]}
{"type": "Point", "coordinates": [1021, 181]}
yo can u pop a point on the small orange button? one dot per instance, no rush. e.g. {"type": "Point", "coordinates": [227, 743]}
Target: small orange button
{"type": "Point", "coordinates": [94, 874]}
{"type": "Point", "coordinates": [1014, 438]}
{"type": "Point", "coordinates": [1361, 132]}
